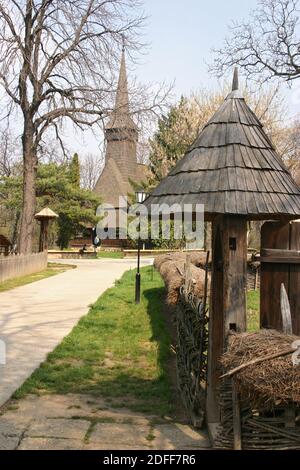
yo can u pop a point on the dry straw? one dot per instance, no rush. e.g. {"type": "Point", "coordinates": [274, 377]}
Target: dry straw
{"type": "Point", "coordinates": [270, 383]}
{"type": "Point", "coordinates": [172, 269]}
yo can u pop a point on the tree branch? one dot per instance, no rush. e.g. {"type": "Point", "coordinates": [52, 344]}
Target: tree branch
{"type": "Point", "coordinates": [265, 47]}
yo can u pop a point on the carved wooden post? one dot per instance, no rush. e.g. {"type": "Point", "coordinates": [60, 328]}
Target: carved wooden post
{"type": "Point", "coordinates": [228, 298]}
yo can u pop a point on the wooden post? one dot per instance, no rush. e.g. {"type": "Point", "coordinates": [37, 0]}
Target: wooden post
{"type": "Point", "coordinates": [188, 281]}
{"type": "Point", "coordinates": [236, 414]}
{"type": "Point", "coordinates": [228, 298]}
{"type": "Point", "coordinates": [44, 235]}
{"type": "Point", "coordinates": [256, 279]}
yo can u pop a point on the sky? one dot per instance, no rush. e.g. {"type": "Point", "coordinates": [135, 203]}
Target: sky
{"type": "Point", "coordinates": [180, 35]}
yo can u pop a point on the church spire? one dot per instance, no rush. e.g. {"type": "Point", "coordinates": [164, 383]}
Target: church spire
{"type": "Point", "coordinates": [120, 118]}
{"type": "Point", "coordinates": [122, 100]}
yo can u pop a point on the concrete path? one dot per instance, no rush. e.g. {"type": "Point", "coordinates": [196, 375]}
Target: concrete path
{"type": "Point", "coordinates": [80, 422]}
{"type": "Point", "coordinates": [36, 317]}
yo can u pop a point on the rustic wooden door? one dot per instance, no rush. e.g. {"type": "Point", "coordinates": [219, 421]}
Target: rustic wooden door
{"type": "Point", "coordinates": [280, 263]}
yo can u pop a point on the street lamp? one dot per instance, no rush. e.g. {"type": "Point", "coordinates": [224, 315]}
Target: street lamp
{"type": "Point", "coordinates": [140, 198]}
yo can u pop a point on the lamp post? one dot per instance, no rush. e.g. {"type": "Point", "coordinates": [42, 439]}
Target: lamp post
{"type": "Point", "coordinates": [140, 198]}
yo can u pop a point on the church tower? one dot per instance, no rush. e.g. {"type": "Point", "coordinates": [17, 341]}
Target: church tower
{"type": "Point", "coordinates": [121, 135]}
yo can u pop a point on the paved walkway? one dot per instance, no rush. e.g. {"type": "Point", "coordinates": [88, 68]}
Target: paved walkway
{"type": "Point", "coordinates": [36, 317]}
{"type": "Point", "coordinates": [70, 422]}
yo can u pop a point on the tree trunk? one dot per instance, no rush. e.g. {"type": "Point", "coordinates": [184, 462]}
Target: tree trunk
{"type": "Point", "coordinates": [29, 188]}
{"type": "Point", "coordinates": [14, 238]}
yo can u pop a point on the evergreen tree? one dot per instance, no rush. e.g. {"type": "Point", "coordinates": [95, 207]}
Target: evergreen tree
{"type": "Point", "coordinates": [75, 171]}
{"type": "Point", "coordinates": [57, 188]}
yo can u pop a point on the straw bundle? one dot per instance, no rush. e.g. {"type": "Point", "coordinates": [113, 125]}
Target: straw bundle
{"type": "Point", "coordinates": [196, 258]}
{"type": "Point", "coordinates": [172, 273]}
{"type": "Point", "coordinates": [269, 383]}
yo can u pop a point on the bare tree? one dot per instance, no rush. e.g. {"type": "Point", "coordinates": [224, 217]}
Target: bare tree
{"type": "Point", "coordinates": [267, 46]}
{"type": "Point", "coordinates": [9, 155]}
{"type": "Point", "coordinates": [91, 167]}
{"type": "Point", "coordinates": [57, 62]}
{"type": "Point", "coordinates": [289, 147]}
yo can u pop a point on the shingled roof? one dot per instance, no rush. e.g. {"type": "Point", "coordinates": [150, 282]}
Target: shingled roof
{"type": "Point", "coordinates": [232, 168]}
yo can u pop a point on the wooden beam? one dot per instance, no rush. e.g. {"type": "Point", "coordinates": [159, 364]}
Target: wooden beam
{"type": "Point", "coordinates": [280, 256]}
{"type": "Point", "coordinates": [274, 260]}
{"type": "Point", "coordinates": [279, 253]}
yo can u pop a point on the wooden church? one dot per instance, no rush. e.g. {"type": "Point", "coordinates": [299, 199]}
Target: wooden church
{"type": "Point", "coordinates": [121, 165]}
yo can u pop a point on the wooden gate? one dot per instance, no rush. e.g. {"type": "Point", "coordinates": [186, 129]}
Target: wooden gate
{"type": "Point", "coordinates": [280, 263]}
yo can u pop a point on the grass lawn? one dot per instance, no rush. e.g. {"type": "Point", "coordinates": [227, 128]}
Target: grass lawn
{"type": "Point", "coordinates": [253, 299]}
{"type": "Point", "coordinates": [110, 254]}
{"type": "Point", "coordinates": [119, 350]}
{"type": "Point", "coordinates": [52, 270]}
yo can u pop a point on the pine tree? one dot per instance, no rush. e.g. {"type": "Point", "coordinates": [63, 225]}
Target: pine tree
{"type": "Point", "coordinates": [58, 189]}
{"type": "Point", "coordinates": [75, 171]}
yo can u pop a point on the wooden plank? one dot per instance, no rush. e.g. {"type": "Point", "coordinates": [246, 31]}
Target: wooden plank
{"type": "Point", "coordinates": [280, 253]}
{"type": "Point", "coordinates": [259, 155]}
{"type": "Point", "coordinates": [294, 281]}
{"type": "Point", "coordinates": [287, 328]}
{"type": "Point", "coordinates": [237, 429]}
{"type": "Point", "coordinates": [279, 260]}
{"type": "Point", "coordinates": [285, 312]}
{"type": "Point", "coordinates": [230, 156]}
{"type": "Point", "coordinates": [274, 235]}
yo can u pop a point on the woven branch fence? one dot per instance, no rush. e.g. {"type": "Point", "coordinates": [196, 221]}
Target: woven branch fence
{"type": "Point", "coordinates": [191, 353]}
{"type": "Point", "coordinates": [268, 430]}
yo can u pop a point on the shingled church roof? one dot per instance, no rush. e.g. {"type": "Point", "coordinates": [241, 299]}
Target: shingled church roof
{"type": "Point", "coordinates": [232, 168]}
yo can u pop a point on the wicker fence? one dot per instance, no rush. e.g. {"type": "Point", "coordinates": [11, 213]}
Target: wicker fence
{"type": "Point", "coordinates": [22, 265]}
{"type": "Point", "coordinates": [191, 353]}
{"type": "Point", "coordinates": [192, 346]}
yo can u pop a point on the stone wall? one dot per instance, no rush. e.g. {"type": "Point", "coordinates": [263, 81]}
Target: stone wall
{"type": "Point", "coordinates": [71, 255]}
{"type": "Point", "coordinates": [22, 265]}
